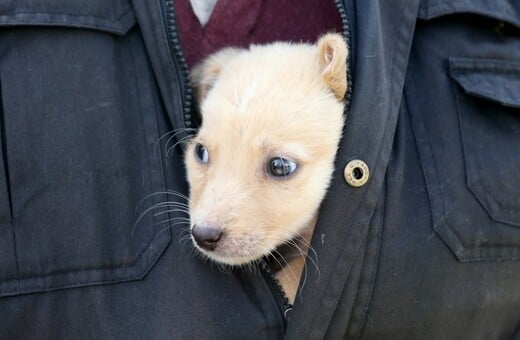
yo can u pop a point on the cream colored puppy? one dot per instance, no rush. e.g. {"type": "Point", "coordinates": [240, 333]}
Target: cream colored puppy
{"type": "Point", "coordinates": [260, 165]}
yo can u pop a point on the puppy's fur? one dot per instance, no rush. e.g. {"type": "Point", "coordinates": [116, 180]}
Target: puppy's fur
{"type": "Point", "coordinates": [277, 101]}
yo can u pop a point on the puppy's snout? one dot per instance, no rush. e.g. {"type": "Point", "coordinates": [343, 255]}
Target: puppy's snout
{"type": "Point", "coordinates": [207, 237]}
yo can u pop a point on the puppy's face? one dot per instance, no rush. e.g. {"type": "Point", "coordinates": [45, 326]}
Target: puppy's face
{"type": "Point", "coordinates": [263, 157]}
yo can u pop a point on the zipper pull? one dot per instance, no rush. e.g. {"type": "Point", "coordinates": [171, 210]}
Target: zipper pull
{"type": "Point", "coordinates": [287, 313]}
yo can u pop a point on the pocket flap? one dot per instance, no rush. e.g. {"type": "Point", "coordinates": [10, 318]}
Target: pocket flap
{"type": "Point", "coordinates": [506, 10]}
{"type": "Point", "coordinates": [113, 16]}
{"type": "Point", "coordinates": [495, 80]}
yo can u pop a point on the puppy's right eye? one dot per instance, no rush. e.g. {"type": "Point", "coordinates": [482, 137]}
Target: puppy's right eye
{"type": "Point", "coordinates": [281, 167]}
{"type": "Point", "coordinates": [201, 153]}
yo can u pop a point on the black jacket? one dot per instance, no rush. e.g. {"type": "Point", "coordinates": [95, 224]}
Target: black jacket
{"type": "Point", "coordinates": [429, 248]}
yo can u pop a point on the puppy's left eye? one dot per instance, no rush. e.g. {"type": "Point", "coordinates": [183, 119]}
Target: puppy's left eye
{"type": "Point", "coordinates": [281, 167]}
{"type": "Point", "coordinates": [201, 153]}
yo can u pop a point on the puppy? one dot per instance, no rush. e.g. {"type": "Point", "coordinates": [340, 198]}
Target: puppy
{"type": "Point", "coordinates": [261, 162]}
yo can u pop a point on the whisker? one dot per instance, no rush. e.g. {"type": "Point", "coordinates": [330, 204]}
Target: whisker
{"type": "Point", "coordinates": [293, 274]}
{"type": "Point", "coordinates": [167, 192]}
{"type": "Point", "coordinates": [170, 150]}
{"type": "Point", "coordinates": [180, 221]}
{"type": "Point", "coordinates": [173, 133]}
{"type": "Point", "coordinates": [178, 207]}
{"type": "Point", "coordinates": [184, 206]}
{"type": "Point", "coordinates": [292, 241]}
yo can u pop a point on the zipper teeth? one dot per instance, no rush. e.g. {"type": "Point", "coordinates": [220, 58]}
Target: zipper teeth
{"type": "Point", "coordinates": [346, 34]}
{"type": "Point", "coordinates": [180, 62]}
{"type": "Point", "coordinates": [276, 287]}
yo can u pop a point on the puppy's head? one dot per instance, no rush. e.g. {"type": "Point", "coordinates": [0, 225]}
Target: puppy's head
{"type": "Point", "coordinates": [262, 160]}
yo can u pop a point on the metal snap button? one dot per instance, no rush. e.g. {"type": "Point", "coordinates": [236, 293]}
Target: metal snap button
{"type": "Point", "coordinates": [356, 173]}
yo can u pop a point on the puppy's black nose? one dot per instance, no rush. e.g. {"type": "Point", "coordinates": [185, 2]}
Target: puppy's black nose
{"type": "Point", "coordinates": [206, 237]}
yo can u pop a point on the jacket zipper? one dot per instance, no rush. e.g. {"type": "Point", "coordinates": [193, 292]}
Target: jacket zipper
{"type": "Point", "coordinates": [277, 290]}
{"type": "Point", "coordinates": [345, 23]}
{"type": "Point", "coordinates": [181, 68]}
{"type": "Point", "coordinates": [182, 73]}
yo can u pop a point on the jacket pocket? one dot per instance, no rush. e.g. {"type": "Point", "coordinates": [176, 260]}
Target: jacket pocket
{"type": "Point", "coordinates": [78, 132]}
{"type": "Point", "coordinates": [115, 16]}
{"type": "Point", "coordinates": [505, 10]}
{"type": "Point", "coordinates": [476, 207]}
{"type": "Point", "coordinates": [467, 124]}
{"type": "Point", "coordinates": [488, 99]}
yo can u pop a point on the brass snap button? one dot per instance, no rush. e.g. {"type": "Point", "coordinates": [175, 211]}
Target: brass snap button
{"type": "Point", "coordinates": [356, 173]}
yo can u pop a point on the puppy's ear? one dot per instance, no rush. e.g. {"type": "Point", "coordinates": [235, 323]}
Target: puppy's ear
{"type": "Point", "coordinates": [332, 55]}
{"type": "Point", "coordinates": [204, 75]}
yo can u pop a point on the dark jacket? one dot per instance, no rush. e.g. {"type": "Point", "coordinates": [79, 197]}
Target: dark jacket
{"type": "Point", "coordinates": [429, 248]}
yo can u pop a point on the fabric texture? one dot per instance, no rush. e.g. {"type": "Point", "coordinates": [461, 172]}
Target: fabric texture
{"type": "Point", "coordinates": [429, 248]}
